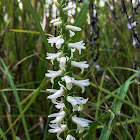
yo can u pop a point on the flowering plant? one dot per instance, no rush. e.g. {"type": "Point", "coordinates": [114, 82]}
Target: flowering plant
{"type": "Point", "coordinates": [66, 118]}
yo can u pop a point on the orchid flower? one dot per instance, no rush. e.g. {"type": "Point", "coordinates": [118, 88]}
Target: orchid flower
{"type": "Point", "coordinates": [58, 129]}
{"type": "Point", "coordinates": [81, 123]}
{"type": "Point", "coordinates": [77, 102]}
{"type": "Point", "coordinates": [67, 8]}
{"type": "Point", "coordinates": [70, 137]}
{"type": "Point", "coordinates": [59, 117]}
{"type": "Point", "coordinates": [73, 28]}
{"type": "Point", "coordinates": [68, 81]}
{"type": "Point", "coordinates": [81, 83]}
{"type": "Point", "coordinates": [56, 94]}
{"type": "Point", "coordinates": [80, 65]}
{"type": "Point", "coordinates": [62, 61]}
{"type": "Point", "coordinates": [71, 33]}
{"type": "Point", "coordinates": [53, 56]}
{"type": "Point", "coordinates": [78, 45]}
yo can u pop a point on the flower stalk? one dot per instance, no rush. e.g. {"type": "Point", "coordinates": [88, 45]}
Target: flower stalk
{"type": "Point", "coordinates": [65, 98]}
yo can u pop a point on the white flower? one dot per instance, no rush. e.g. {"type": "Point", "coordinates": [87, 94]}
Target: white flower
{"type": "Point", "coordinates": [52, 90]}
{"type": "Point", "coordinates": [59, 117]}
{"type": "Point", "coordinates": [72, 51]}
{"type": "Point", "coordinates": [58, 40]}
{"type": "Point", "coordinates": [132, 25]}
{"type": "Point", "coordinates": [53, 74]}
{"type": "Point", "coordinates": [72, 33]}
{"type": "Point", "coordinates": [73, 28]}
{"type": "Point", "coordinates": [67, 8]}
{"type": "Point", "coordinates": [53, 56]}
{"type": "Point", "coordinates": [56, 94]}
{"type": "Point", "coordinates": [81, 83]}
{"type": "Point", "coordinates": [77, 102]}
{"type": "Point", "coordinates": [80, 65]}
{"type": "Point", "coordinates": [81, 123]}
{"type": "Point", "coordinates": [68, 81]}
{"type": "Point", "coordinates": [57, 23]}
{"type": "Point", "coordinates": [58, 129]}
{"type": "Point", "coordinates": [70, 137]}
{"type": "Point", "coordinates": [53, 40]}
{"type": "Point", "coordinates": [59, 105]}
{"type": "Point", "coordinates": [54, 20]}
{"type": "Point", "coordinates": [62, 61]}
{"type": "Point", "coordinates": [77, 45]}
{"type": "Point", "coordinates": [59, 43]}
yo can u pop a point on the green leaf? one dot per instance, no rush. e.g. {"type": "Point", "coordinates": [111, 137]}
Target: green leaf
{"type": "Point", "coordinates": [18, 138]}
{"type": "Point", "coordinates": [1, 133]}
{"type": "Point", "coordinates": [92, 131]}
{"type": "Point", "coordinates": [81, 18]}
{"type": "Point", "coordinates": [138, 134]}
{"type": "Point", "coordinates": [116, 106]}
{"type": "Point", "coordinates": [37, 22]}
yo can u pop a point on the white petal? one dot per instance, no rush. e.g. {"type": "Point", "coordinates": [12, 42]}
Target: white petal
{"type": "Point", "coordinates": [57, 23]}
{"type": "Point", "coordinates": [81, 100]}
{"type": "Point", "coordinates": [55, 20]}
{"type": "Point", "coordinates": [80, 65]}
{"type": "Point", "coordinates": [72, 33]}
{"type": "Point", "coordinates": [70, 137]}
{"type": "Point", "coordinates": [73, 28]}
{"type": "Point", "coordinates": [53, 125]}
{"type": "Point", "coordinates": [53, 74]}
{"type": "Point", "coordinates": [59, 43]}
{"type": "Point", "coordinates": [62, 61]}
{"type": "Point", "coordinates": [78, 45]}
{"type": "Point", "coordinates": [56, 130]}
{"type": "Point", "coordinates": [57, 94]}
{"type": "Point", "coordinates": [63, 128]}
{"type": "Point", "coordinates": [52, 90]}
{"type": "Point", "coordinates": [72, 51]}
{"type": "Point", "coordinates": [67, 8]}
{"type": "Point", "coordinates": [62, 113]}
{"type": "Point", "coordinates": [59, 117]}
{"type": "Point", "coordinates": [81, 83]}
{"type": "Point", "coordinates": [71, 100]}
{"type": "Point", "coordinates": [53, 40]}
{"type": "Point", "coordinates": [68, 81]}
{"type": "Point", "coordinates": [75, 101]}
{"type": "Point", "coordinates": [81, 122]}
{"type": "Point", "coordinates": [60, 105]}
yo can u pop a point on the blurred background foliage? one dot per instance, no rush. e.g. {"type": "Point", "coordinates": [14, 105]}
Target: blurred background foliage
{"type": "Point", "coordinates": [111, 56]}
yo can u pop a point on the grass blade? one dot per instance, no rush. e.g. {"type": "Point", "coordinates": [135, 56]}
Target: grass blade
{"type": "Point", "coordinates": [81, 18]}
{"type": "Point", "coordinates": [36, 19]}
{"type": "Point", "coordinates": [17, 99]}
{"type": "Point", "coordinates": [1, 133]}
{"type": "Point", "coordinates": [116, 106]}
{"type": "Point", "coordinates": [138, 134]}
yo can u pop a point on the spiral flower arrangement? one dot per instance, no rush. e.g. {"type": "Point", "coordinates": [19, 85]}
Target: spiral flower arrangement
{"type": "Point", "coordinates": [65, 98]}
